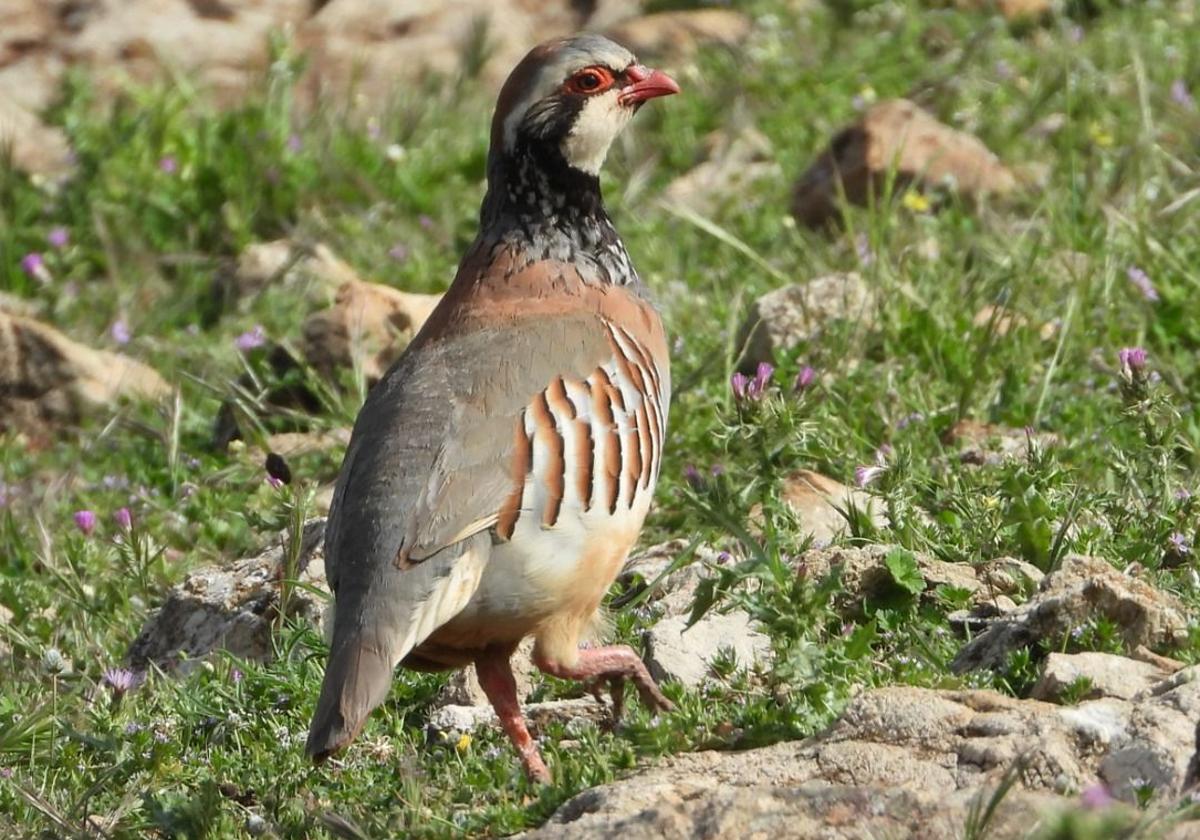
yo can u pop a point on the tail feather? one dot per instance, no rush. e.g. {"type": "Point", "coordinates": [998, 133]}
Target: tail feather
{"type": "Point", "coordinates": [375, 625]}
{"type": "Point", "coordinates": [357, 679]}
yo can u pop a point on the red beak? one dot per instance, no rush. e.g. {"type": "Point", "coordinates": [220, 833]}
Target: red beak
{"type": "Point", "coordinates": [647, 84]}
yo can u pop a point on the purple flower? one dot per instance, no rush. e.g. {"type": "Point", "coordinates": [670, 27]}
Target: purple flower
{"type": "Point", "coordinates": [235, 676]}
{"type": "Point", "coordinates": [908, 419]}
{"type": "Point", "coordinates": [424, 221]}
{"type": "Point", "coordinates": [58, 237]}
{"type": "Point", "coordinates": [756, 388]}
{"type": "Point", "coordinates": [123, 518]}
{"type": "Point", "coordinates": [1003, 70]}
{"type": "Point", "coordinates": [120, 680]}
{"type": "Point", "coordinates": [862, 247]}
{"type": "Point", "coordinates": [34, 266]}
{"type": "Point", "coordinates": [1140, 279]}
{"type": "Point", "coordinates": [804, 378]}
{"type": "Point", "coordinates": [1181, 495]}
{"type": "Point", "coordinates": [692, 476]}
{"type": "Point", "coordinates": [737, 384]}
{"type": "Point", "coordinates": [85, 521]}
{"type": "Point", "coordinates": [294, 143]}
{"type": "Point", "coordinates": [6, 772]}
{"type": "Point", "coordinates": [717, 470]}
{"type": "Point", "coordinates": [275, 483]}
{"type": "Point", "coordinates": [867, 474]}
{"type": "Point", "coordinates": [1075, 33]}
{"type": "Point", "coordinates": [168, 164]}
{"type": "Point", "coordinates": [1180, 94]}
{"type": "Point", "coordinates": [1179, 544]}
{"type": "Point", "coordinates": [1131, 358]}
{"type": "Point", "coordinates": [133, 728]}
{"type": "Point", "coordinates": [251, 339]}
{"type": "Point", "coordinates": [1096, 797]}
{"type": "Point", "coordinates": [398, 252]}
{"type": "Point", "coordinates": [119, 332]}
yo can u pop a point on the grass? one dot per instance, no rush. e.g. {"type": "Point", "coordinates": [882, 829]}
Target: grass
{"type": "Point", "coordinates": [167, 192]}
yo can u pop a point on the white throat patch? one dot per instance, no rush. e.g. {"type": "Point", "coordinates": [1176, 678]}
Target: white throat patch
{"type": "Point", "coordinates": [599, 122]}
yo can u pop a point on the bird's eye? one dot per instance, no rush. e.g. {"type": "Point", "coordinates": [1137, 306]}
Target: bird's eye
{"type": "Point", "coordinates": [590, 80]}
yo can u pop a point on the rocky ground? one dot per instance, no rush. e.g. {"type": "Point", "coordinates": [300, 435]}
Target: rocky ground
{"type": "Point", "coordinates": [922, 561]}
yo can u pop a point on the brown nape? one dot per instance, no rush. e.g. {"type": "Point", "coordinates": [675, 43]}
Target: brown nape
{"type": "Point", "coordinates": [517, 85]}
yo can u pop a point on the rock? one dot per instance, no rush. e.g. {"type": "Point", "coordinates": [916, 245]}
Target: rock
{"type": "Point", "coordinates": [367, 327]}
{"type": "Point", "coordinates": [680, 33]}
{"type": "Point", "coordinates": [282, 261]}
{"type": "Point", "coordinates": [693, 808]}
{"type": "Point", "coordinates": [1014, 11]}
{"type": "Point", "coordinates": [1081, 590]}
{"type": "Point", "coordinates": [986, 444]}
{"type": "Point", "coordinates": [910, 759]}
{"type": "Point", "coordinates": [998, 320]}
{"type": "Point", "coordinates": [46, 377]}
{"type": "Point", "coordinates": [577, 712]}
{"type": "Point", "coordinates": [819, 501]}
{"type": "Point", "coordinates": [896, 134]}
{"type": "Point", "coordinates": [730, 166]}
{"type": "Point", "coordinates": [864, 575]}
{"type": "Point", "coordinates": [1109, 676]}
{"type": "Point", "coordinates": [370, 46]}
{"type": "Point", "coordinates": [784, 318]}
{"type": "Point", "coordinates": [674, 594]}
{"type": "Point", "coordinates": [1010, 576]}
{"type": "Point", "coordinates": [232, 607]}
{"type": "Point", "coordinates": [36, 147]}
{"type": "Point", "coordinates": [684, 655]}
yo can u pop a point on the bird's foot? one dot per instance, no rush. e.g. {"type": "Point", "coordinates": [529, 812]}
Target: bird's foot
{"type": "Point", "coordinates": [613, 664]}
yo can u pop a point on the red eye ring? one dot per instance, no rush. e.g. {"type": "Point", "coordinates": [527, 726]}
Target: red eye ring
{"type": "Point", "coordinates": [590, 80]}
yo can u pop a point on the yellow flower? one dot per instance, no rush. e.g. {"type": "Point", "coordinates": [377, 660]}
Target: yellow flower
{"type": "Point", "coordinates": [991, 502]}
{"type": "Point", "coordinates": [464, 743]}
{"type": "Point", "coordinates": [867, 94]}
{"type": "Point", "coordinates": [916, 202]}
{"type": "Point", "coordinates": [1099, 136]}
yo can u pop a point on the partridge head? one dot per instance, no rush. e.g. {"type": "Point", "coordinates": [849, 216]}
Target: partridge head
{"type": "Point", "coordinates": [501, 470]}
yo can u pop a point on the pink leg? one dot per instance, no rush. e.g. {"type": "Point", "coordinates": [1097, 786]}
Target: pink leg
{"type": "Point", "coordinates": [496, 678]}
{"type": "Point", "coordinates": [616, 663]}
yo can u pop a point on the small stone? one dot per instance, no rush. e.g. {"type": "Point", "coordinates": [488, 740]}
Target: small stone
{"type": "Point", "coordinates": [896, 135]}
{"type": "Point", "coordinates": [367, 327]}
{"type": "Point", "coordinates": [684, 655]}
{"type": "Point", "coordinates": [793, 315]}
{"type": "Point", "coordinates": [1080, 590]}
{"type": "Point", "coordinates": [1109, 676]}
{"type": "Point", "coordinates": [47, 378]}
{"type": "Point", "coordinates": [732, 163]}
{"type": "Point", "coordinates": [232, 608]}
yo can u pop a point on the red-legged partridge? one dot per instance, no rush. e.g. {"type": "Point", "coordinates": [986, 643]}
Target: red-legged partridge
{"type": "Point", "coordinates": [499, 473]}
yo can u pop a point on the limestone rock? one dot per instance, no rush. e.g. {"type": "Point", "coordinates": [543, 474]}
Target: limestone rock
{"type": "Point", "coordinates": [47, 377]}
{"type": "Point", "coordinates": [317, 269]}
{"type": "Point", "coordinates": [367, 327]}
{"type": "Point", "coordinates": [36, 147]}
{"type": "Point", "coordinates": [675, 592]}
{"type": "Point", "coordinates": [986, 444]}
{"type": "Point", "coordinates": [732, 163]}
{"type": "Point", "coordinates": [903, 762]}
{"type": "Point", "coordinates": [1082, 588]}
{"type": "Point", "coordinates": [232, 607]}
{"type": "Point", "coordinates": [575, 712]}
{"type": "Point", "coordinates": [896, 135]}
{"type": "Point", "coordinates": [684, 655]}
{"type": "Point", "coordinates": [680, 33]}
{"type": "Point", "coordinates": [864, 573]}
{"type": "Point", "coordinates": [1109, 675]}
{"type": "Point", "coordinates": [784, 318]}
